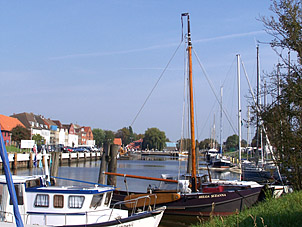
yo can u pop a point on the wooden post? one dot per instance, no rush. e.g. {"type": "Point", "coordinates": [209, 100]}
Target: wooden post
{"type": "Point", "coordinates": [197, 158]}
{"type": "Point", "coordinates": [112, 165]}
{"type": "Point", "coordinates": [78, 157]}
{"type": "Point", "coordinates": [43, 160]}
{"type": "Point", "coordinates": [30, 163]}
{"type": "Point", "coordinates": [103, 166]}
{"type": "Point", "coordinates": [69, 159]}
{"type": "Point", "coordinates": [55, 157]}
{"type": "Point", "coordinates": [15, 165]}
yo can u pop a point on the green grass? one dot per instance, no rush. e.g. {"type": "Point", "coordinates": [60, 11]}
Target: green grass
{"type": "Point", "coordinates": [284, 211]}
{"type": "Point", "coordinates": [13, 149]}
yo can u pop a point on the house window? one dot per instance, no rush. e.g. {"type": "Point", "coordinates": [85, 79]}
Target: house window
{"type": "Point", "coordinates": [42, 200]}
{"type": "Point", "coordinates": [75, 201]}
{"type": "Point", "coordinates": [58, 201]}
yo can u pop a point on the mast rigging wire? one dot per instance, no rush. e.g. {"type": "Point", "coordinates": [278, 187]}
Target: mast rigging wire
{"type": "Point", "coordinates": [212, 88]}
{"type": "Point", "coordinates": [161, 75]}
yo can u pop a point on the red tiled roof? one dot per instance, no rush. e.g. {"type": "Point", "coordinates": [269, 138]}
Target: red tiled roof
{"type": "Point", "coordinates": [8, 123]}
{"type": "Point", "coordinates": [117, 141]}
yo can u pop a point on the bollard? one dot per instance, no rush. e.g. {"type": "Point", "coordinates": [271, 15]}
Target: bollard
{"type": "Point", "coordinates": [30, 163]}
{"type": "Point", "coordinates": [15, 165]}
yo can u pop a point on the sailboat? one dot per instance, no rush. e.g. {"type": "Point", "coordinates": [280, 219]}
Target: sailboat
{"type": "Point", "coordinates": [193, 194]}
{"type": "Point", "coordinates": [220, 163]}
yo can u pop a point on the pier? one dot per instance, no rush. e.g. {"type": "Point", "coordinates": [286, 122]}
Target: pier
{"type": "Point", "coordinates": [19, 160]}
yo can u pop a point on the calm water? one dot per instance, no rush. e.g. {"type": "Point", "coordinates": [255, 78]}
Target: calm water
{"type": "Point", "coordinates": [147, 166]}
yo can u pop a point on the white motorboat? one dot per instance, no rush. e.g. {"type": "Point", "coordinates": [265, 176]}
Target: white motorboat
{"type": "Point", "coordinates": [43, 205]}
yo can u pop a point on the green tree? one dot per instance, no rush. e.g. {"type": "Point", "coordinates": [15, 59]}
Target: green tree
{"type": "Point", "coordinates": [38, 139]}
{"type": "Point", "coordinates": [154, 139]}
{"type": "Point", "coordinates": [126, 134]}
{"type": "Point", "coordinates": [282, 119]}
{"type": "Point", "coordinates": [232, 143]}
{"type": "Point", "coordinates": [98, 136]}
{"type": "Point", "coordinates": [20, 133]}
{"type": "Point", "coordinates": [207, 144]}
{"type": "Point", "coordinates": [109, 137]}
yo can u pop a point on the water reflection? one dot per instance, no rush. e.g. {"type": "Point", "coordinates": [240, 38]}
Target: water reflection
{"type": "Point", "coordinates": [150, 166]}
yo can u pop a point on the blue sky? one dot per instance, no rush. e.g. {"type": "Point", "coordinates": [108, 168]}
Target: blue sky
{"type": "Point", "coordinates": [95, 62]}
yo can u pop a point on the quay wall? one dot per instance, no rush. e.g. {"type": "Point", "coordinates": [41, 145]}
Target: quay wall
{"type": "Point", "coordinates": [18, 160]}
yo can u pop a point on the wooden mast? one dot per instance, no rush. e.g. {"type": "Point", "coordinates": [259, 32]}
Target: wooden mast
{"type": "Point", "coordinates": [193, 174]}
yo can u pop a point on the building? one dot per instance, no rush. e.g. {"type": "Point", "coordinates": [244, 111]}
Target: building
{"type": "Point", "coordinates": [35, 124]}
{"type": "Point", "coordinates": [73, 140]}
{"type": "Point", "coordinates": [54, 131]}
{"type": "Point", "coordinates": [171, 146]}
{"type": "Point", "coordinates": [135, 145]}
{"type": "Point", "coordinates": [7, 124]}
{"type": "Point", "coordinates": [117, 141]}
{"type": "Point", "coordinates": [63, 133]}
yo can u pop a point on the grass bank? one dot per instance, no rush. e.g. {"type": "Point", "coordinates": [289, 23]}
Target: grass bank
{"type": "Point", "coordinates": [13, 149]}
{"type": "Point", "coordinates": [284, 211]}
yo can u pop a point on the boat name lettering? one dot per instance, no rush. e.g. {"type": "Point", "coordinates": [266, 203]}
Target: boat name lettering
{"type": "Point", "coordinates": [204, 196]}
{"type": "Point", "coordinates": [218, 195]}
{"type": "Point", "coordinates": [126, 225]}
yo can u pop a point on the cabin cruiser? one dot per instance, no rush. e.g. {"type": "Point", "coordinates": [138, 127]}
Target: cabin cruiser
{"type": "Point", "coordinates": [43, 205]}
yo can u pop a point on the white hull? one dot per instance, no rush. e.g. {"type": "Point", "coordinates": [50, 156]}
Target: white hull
{"type": "Point", "coordinates": [148, 221]}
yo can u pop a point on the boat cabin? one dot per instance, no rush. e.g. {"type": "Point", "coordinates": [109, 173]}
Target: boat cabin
{"type": "Point", "coordinates": [55, 205]}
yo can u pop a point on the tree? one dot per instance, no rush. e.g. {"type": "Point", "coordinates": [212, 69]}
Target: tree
{"type": "Point", "coordinates": [282, 119]}
{"type": "Point", "coordinates": [154, 139]}
{"type": "Point", "coordinates": [20, 133]}
{"type": "Point", "coordinates": [232, 143]}
{"type": "Point", "coordinates": [38, 139]}
{"type": "Point", "coordinates": [109, 137]}
{"type": "Point", "coordinates": [207, 144]}
{"type": "Point", "coordinates": [126, 134]}
{"type": "Point", "coordinates": [99, 136]}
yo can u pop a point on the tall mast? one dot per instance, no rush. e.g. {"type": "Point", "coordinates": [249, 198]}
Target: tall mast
{"type": "Point", "coordinates": [239, 109]}
{"type": "Point", "coordinates": [221, 91]}
{"type": "Point", "coordinates": [259, 129]}
{"type": "Point", "coordinates": [189, 49]}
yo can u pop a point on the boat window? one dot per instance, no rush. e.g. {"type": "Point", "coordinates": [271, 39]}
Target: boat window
{"type": "Point", "coordinates": [1, 193]}
{"type": "Point", "coordinates": [96, 200]}
{"type": "Point", "coordinates": [58, 201]}
{"type": "Point", "coordinates": [33, 183]}
{"type": "Point", "coordinates": [75, 201]}
{"type": "Point", "coordinates": [19, 193]}
{"type": "Point", "coordinates": [42, 200]}
{"type": "Point", "coordinates": [108, 198]}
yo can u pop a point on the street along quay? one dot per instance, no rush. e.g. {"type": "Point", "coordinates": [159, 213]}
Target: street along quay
{"type": "Point", "coordinates": [27, 160]}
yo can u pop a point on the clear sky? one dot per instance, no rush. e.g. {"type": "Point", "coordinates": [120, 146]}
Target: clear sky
{"type": "Point", "coordinates": [94, 62]}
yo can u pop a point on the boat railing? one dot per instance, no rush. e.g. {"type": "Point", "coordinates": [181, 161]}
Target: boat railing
{"type": "Point", "coordinates": [6, 217]}
{"type": "Point", "coordinates": [143, 202]}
